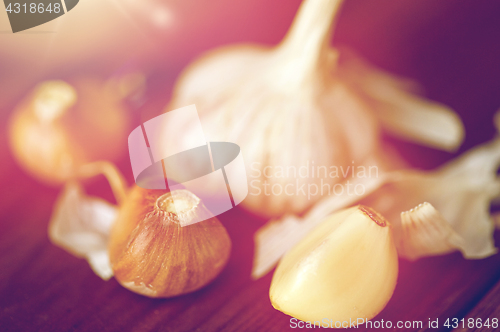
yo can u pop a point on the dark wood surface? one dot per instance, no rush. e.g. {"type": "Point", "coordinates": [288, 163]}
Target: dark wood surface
{"type": "Point", "coordinates": [43, 288]}
{"type": "Point", "coordinates": [454, 53]}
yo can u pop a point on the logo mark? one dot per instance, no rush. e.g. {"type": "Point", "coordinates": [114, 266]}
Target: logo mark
{"type": "Point", "coordinates": [25, 15]}
{"type": "Point", "coordinates": [213, 171]}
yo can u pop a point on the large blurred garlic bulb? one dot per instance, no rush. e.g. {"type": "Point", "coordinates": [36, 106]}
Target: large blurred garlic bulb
{"type": "Point", "coordinates": [292, 108]}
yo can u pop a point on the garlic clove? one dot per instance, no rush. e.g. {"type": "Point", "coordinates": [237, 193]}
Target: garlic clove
{"type": "Point", "coordinates": [81, 225]}
{"type": "Point", "coordinates": [461, 190]}
{"type": "Point", "coordinates": [275, 238]}
{"type": "Point", "coordinates": [153, 255]}
{"type": "Point", "coordinates": [425, 232]}
{"type": "Point", "coordinates": [344, 270]}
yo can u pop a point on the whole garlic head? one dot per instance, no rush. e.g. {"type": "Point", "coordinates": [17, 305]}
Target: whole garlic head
{"type": "Point", "coordinates": [153, 255]}
{"type": "Point", "coordinates": [291, 107]}
{"type": "Point", "coordinates": [344, 270]}
{"type": "Point", "coordinates": [283, 107]}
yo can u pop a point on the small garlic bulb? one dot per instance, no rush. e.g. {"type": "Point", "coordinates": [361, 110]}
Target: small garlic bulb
{"type": "Point", "coordinates": [153, 255]}
{"type": "Point", "coordinates": [344, 270]}
{"type": "Point", "coordinates": [61, 126]}
{"type": "Point", "coordinates": [295, 112]}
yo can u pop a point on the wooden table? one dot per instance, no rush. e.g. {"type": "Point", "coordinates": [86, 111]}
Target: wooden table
{"type": "Point", "coordinates": [456, 55]}
{"type": "Point", "coordinates": [44, 288]}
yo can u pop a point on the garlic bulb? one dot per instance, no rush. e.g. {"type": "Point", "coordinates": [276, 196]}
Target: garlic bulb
{"type": "Point", "coordinates": [61, 126]}
{"type": "Point", "coordinates": [153, 255]}
{"type": "Point", "coordinates": [294, 109]}
{"type": "Point", "coordinates": [146, 241]}
{"type": "Point", "coordinates": [345, 270]}
{"type": "Point", "coordinates": [461, 191]}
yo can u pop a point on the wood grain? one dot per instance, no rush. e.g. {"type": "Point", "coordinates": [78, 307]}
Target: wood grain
{"type": "Point", "coordinates": [42, 288]}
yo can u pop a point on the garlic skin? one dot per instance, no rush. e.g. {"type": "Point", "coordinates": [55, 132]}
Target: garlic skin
{"type": "Point", "coordinates": [153, 255]}
{"type": "Point", "coordinates": [293, 105]}
{"type": "Point", "coordinates": [425, 232]}
{"type": "Point", "coordinates": [61, 126]}
{"type": "Point", "coordinates": [461, 190]}
{"type": "Point", "coordinates": [345, 269]}
{"type": "Point", "coordinates": [81, 225]}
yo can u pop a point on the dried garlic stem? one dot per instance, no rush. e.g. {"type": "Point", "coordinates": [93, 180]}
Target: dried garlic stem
{"type": "Point", "coordinates": [112, 174]}
{"type": "Point", "coordinates": [309, 37]}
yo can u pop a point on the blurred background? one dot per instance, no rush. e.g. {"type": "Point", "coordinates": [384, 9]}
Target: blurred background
{"type": "Point", "coordinates": [451, 48]}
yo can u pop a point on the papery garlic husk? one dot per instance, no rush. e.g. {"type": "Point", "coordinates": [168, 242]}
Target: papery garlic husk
{"type": "Point", "coordinates": [399, 108]}
{"type": "Point", "coordinates": [461, 191]}
{"type": "Point", "coordinates": [344, 270]}
{"type": "Point", "coordinates": [152, 254]}
{"type": "Point", "coordinates": [81, 225]}
{"type": "Point", "coordinates": [61, 126]}
{"type": "Point", "coordinates": [425, 232]}
{"type": "Point", "coordinates": [291, 107]}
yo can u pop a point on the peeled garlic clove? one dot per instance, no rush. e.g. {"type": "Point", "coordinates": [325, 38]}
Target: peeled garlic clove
{"type": "Point", "coordinates": [275, 238]}
{"type": "Point", "coordinates": [153, 255]}
{"type": "Point", "coordinates": [425, 232]}
{"type": "Point", "coordinates": [462, 191]}
{"type": "Point", "coordinates": [345, 269]}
